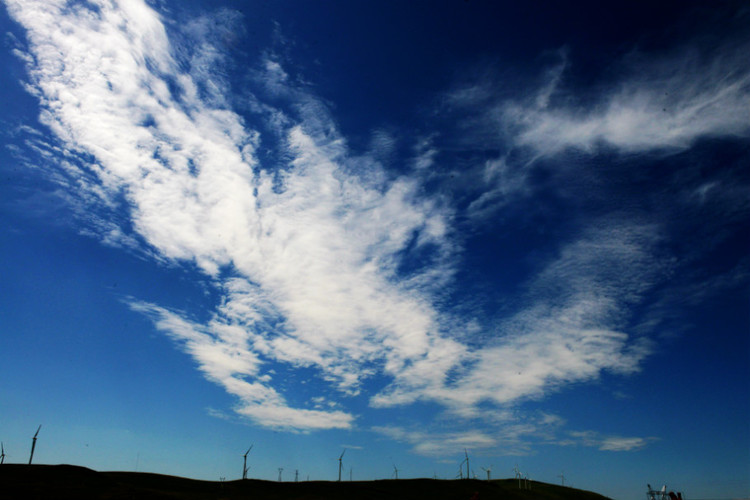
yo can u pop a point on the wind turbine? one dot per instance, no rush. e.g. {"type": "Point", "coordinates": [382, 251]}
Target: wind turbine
{"type": "Point", "coordinates": [296, 475]}
{"type": "Point", "coordinates": [518, 475]}
{"type": "Point", "coordinates": [341, 462]}
{"type": "Point", "coordinates": [281, 469]}
{"type": "Point", "coordinates": [33, 444]}
{"type": "Point", "coordinates": [2, 453]}
{"type": "Point", "coordinates": [562, 476]}
{"type": "Point", "coordinates": [244, 462]}
{"type": "Point", "coordinates": [488, 470]}
{"type": "Point", "coordinates": [468, 474]}
{"type": "Point", "coordinates": [461, 468]}
{"type": "Point", "coordinates": [395, 471]}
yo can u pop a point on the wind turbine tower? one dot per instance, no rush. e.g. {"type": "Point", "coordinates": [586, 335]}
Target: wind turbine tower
{"type": "Point", "coordinates": [244, 463]}
{"type": "Point", "coordinates": [281, 469]}
{"type": "Point", "coordinates": [296, 475]}
{"type": "Point", "coordinates": [468, 474]}
{"type": "Point", "coordinates": [518, 475]}
{"type": "Point", "coordinates": [2, 453]}
{"type": "Point", "coordinates": [395, 471]}
{"type": "Point", "coordinates": [33, 444]}
{"type": "Point", "coordinates": [341, 462]}
{"type": "Point", "coordinates": [488, 470]}
{"type": "Point", "coordinates": [562, 477]}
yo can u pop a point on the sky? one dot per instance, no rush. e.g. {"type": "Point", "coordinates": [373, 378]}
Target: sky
{"type": "Point", "coordinates": [407, 230]}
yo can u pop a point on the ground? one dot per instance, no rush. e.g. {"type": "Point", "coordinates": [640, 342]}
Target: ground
{"type": "Point", "coordinates": [62, 482]}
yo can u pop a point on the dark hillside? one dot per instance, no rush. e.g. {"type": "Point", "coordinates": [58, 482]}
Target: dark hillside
{"type": "Point", "coordinates": [70, 482]}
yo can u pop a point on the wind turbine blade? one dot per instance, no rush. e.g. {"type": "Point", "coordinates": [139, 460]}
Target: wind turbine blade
{"type": "Point", "coordinates": [342, 454]}
{"type": "Point", "coordinates": [37, 431]}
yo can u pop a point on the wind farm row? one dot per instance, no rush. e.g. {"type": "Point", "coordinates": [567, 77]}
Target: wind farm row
{"type": "Point", "coordinates": [523, 479]}
{"type": "Point", "coordinates": [464, 467]}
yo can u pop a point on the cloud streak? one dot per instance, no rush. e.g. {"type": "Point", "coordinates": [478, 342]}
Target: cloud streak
{"type": "Point", "coordinates": [661, 105]}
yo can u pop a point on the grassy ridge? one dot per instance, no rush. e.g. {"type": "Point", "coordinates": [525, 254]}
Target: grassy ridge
{"type": "Point", "coordinates": [63, 482]}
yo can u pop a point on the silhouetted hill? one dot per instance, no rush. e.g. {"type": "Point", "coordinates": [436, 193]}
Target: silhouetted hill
{"type": "Point", "coordinates": [65, 482]}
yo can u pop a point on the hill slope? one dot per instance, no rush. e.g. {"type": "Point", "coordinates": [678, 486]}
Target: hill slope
{"type": "Point", "coordinates": [65, 482]}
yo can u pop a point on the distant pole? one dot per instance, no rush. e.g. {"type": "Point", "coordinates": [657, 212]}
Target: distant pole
{"type": "Point", "coordinates": [33, 444]}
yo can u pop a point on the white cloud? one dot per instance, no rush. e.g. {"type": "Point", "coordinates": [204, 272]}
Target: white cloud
{"type": "Point", "coordinates": [606, 443]}
{"type": "Point", "coordinates": [666, 104]}
{"type": "Point", "coordinates": [441, 444]}
{"type": "Point", "coordinates": [314, 249]}
{"type": "Point", "coordinates": [569, 331]}
{"type": "Point", "coordinates": [320, 248]}
{"type": "Point", "coordinates": [505, 432]}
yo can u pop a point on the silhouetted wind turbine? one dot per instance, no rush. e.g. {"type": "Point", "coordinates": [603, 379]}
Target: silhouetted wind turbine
{"type": "Point", "coordinates": [395, 471]}
{"type": "Point", "coordinates": [2, 453]}
{"type": "Point", "coordinates": [488, 470]}
{"type": "Point", "coordinates": [340, 462]}
{"type": "Point", "coordinates": [562, 476]}
{"type": "Point", "coordinates": [33, 444]}
{"type": "Point", "coordinates": [468, 473]}
{"type": "Point", "coordinates": [244, 462]}
{"type": "Point", "coordinates": [281, 469]}
{"type": "Point", "coordinates": [296, 475]}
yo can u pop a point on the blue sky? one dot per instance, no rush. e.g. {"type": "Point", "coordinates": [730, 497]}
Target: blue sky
{"type": "Point", "coordinates": [404, 230]}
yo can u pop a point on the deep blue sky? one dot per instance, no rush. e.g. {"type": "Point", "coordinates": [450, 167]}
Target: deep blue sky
{"type": "Point", "coordinates": [405, 229]}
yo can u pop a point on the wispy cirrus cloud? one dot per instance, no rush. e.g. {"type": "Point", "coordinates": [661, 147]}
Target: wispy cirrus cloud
{"type": "Point", "coordinates": [312, 250]}
{"type": "Point", "coordinates": [654, 104]}
{"type": "Point", "coordinates": [606, 443]}
{"type": "Point", "coordinates": [569, 331]}
{"type": "Point", "coordinates": [441, 444]}
{"type": "Point", "coordinates": [512, 434]}
{"type": "Point", "coordinates": [647, 104]}
{"type": "Point", "coordinates": [312, 245]}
